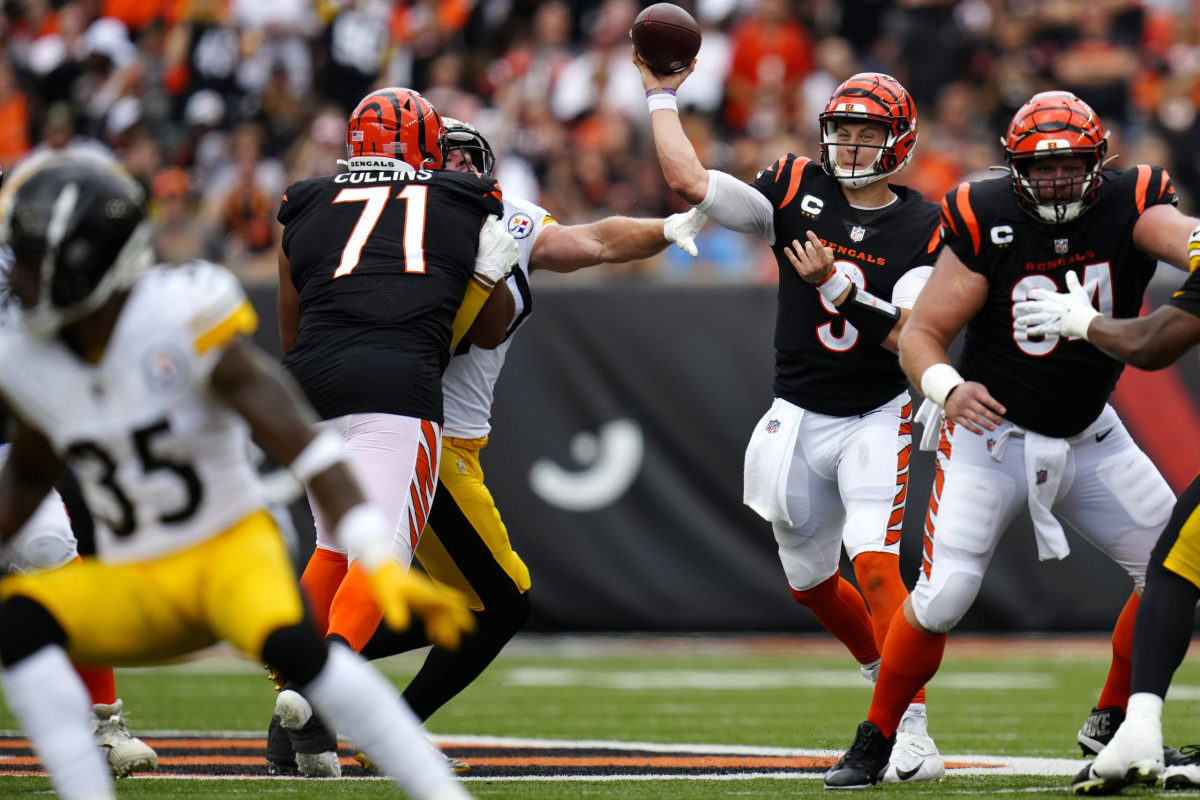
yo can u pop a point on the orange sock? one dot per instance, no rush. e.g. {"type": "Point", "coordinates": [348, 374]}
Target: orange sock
{"type": "Point", "coordinates": [320, 581]}
{"type": "Point", "coordinates": [878, 576]}
{"type": "Point", "coordinates": [910, 658]}
{"type": "Point", "coordinates": [840, 608]}
{"type": "Point", "coordinates": [99, 682]}
{"type": "Point", "coordinates": [354, 614]}
{"type": "Point", "coordinates": [1116, 687]}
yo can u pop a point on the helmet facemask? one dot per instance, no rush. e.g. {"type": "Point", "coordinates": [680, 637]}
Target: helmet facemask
{"type": "Point", "coordinates": [1055, 199]}
{"type": "Point", "coordinates": [464, 138]}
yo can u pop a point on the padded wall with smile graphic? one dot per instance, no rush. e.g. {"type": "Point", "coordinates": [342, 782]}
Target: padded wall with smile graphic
{"type": "Point", "coordinates": [619, 427]}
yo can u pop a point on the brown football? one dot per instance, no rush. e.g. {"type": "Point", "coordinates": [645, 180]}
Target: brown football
{"type": "Point", "coordinates": [666, 37]}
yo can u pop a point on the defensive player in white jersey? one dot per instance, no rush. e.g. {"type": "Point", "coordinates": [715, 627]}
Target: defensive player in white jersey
{"type": "Point", "coordinates": [48, 541]}
{"type": "Point", "coordinates": [144, 381]}
{"type": "Point", "coordinates": [465, 545]}
{"type": "Point", "coordinates": [827, 465]}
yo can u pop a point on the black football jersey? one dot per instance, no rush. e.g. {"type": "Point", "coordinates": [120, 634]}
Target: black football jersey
{"type": "Point", "coordinates": [1056, 386]}
{"type": "Point", "coordinates": [381, 261]}
{"type": "Point", "coordinates": [822, 362]}
{"type": "Point", "coordinates": [1187, 298]}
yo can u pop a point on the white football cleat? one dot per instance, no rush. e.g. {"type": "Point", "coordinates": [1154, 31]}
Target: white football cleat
{"type": "Point", "coordinates": [871, 671]}
{"type": "Point", "coordinates": [914, 757]}
{"type": "Point", "coordinates": [1182, 768]}
{"type": "Point", "coordinates": [125, 752]}
{"type": "Point", "coordinates": [1135, 752]}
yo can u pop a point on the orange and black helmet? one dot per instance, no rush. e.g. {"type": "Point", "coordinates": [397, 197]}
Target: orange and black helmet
{"type": "Point", "coordinates": [870, 97]}
{"type": "Point", "coordinates": [396, 123]}
{"type": "Point", "coordinates": [1055, 124]}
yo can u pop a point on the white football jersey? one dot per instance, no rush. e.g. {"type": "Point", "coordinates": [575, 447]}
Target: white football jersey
{"type": "Point", "coordinates": [469, 383]}
{"type": "Point", "coordinates": [163, 463]}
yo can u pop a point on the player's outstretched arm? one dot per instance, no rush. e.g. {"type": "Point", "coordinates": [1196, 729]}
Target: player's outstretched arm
{"type": "Point", "coordinates": [1151, 342]}
{"type": "Point", "coordinates": [31, 471]}
{"type": "Point", "coordinates": [612, 240]}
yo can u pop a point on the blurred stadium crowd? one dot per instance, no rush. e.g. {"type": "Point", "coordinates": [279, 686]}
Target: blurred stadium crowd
{"type": "Point", "coordinates": [216, 105]}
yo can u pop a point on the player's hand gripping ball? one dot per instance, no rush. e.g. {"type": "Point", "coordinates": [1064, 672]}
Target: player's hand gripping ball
{"type": "Point", "coordinates": [666, 36]}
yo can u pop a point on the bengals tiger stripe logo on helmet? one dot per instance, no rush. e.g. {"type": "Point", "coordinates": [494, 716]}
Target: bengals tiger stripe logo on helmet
{"type": "Point", "coordinates": [395, 123]}
{"type": "Point", "coordinates": [1055, 124]}
{"type": "Point", "coordinates": [870, 97]}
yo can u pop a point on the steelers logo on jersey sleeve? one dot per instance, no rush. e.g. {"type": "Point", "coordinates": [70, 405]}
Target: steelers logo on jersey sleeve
{"type": "Point", "coordinates": [520, 225]}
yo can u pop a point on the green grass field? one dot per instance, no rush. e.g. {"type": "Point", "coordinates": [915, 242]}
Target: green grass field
{"type": "Point", "coordinates": [1011, 697]}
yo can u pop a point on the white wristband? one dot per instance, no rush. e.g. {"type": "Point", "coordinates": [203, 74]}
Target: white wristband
{"type": "Point", "coordinates": [322, 452]}
{"type": "Point", "coordinates": [662, 100]}
{"type": "Point", "coordinates": [363, 531]}
{"type": "Point", "coordinates": [1076, 321]}
{"type": "Point", "coordinates": [831, 288]}
{"type": "Point", "coordinates": [938, 381]}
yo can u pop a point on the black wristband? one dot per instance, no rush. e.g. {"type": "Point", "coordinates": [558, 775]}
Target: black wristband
{"type": "Point", "coordinates": [874, 318]}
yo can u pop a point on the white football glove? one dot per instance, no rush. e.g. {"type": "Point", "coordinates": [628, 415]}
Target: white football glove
{"type": "Point", "coordinates": [682, 229]}
{"type": "Point", "coordinates": [497, 254]}
{"type": "Point", "coordinates": [1048, 313]}
{"type": "Point", "coordinates": [1194, 249]}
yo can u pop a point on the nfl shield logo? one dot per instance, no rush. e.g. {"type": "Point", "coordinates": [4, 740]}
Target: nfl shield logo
{"type": "Point", "coordinates": [1041, 476]}
{"type": "Point", "coordinates": [857, 233]}
{"type": "Point", "coordinates": [1061, 247]}
{"type": "Point", "coordinates": [773, 426]}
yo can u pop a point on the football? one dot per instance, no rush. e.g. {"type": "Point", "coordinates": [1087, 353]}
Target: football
{"type": "Point", "coordinates": [666, 36]}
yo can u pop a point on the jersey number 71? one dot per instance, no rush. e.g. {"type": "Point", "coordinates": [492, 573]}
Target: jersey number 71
{"type": "Point", "coordinates": [375, 198]}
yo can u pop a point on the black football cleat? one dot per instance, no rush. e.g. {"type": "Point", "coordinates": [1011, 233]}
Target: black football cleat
{"type": "Point", "coordinates": [864, 763]}
{"type": "Point", "coordinates": [281, 758]}
{"type": "Point", "coordinates": [1098, 729]}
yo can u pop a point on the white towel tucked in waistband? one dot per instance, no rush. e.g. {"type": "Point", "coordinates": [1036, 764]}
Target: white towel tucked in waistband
{"type": "Point", "coordinates": [1045, 465]}
{"type": "Point", "coordinates": [768, 460]}
{"type": "Point", "coordinates": [930, 416]}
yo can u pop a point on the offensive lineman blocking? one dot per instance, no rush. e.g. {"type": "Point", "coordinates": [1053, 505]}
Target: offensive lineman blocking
{"type": "Point", "coordinates": [1010, 443]}
{"type": "Point", "coordinates": [383, 269]}
{"type": "Point", "coordinates": [465, 544]}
